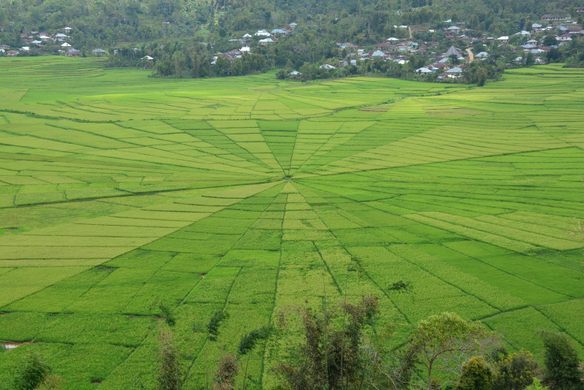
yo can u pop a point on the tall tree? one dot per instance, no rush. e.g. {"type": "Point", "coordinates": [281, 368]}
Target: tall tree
{"type": "Point", "coordinates": [561, 363]}
{"type": "Point", "coordinates": [445, 341]}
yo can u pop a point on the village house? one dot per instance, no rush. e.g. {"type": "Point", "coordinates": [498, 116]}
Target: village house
{"type": "Point", "coordinates": [73, 53]}
{"type": "Point", "coordinates": [424, 70]}
{"type": "Point", "coordinates": [564, 38]}
{"type": "Point", "coordinates": [347, 46]}
{"type": "Point", "coordinates": [279, 31]}
{"type": "Point", "coordinates": [574, 29]}
{"type": "Point", "coordinates": [444, 61]}
{"type": "Point", "coordinates": [454, 73]}
{"type": "Point", "coordinates": [262, 34]}
{"type": "Point", "coordinates": [539, 61]}
{"type": "Point", "coordinates": [99, 52]}
{"type": "Point", "coordinates": [378, 54]}
{"type": "Point", "coordinates": [232, 55]}
{"type": "Point", "coordinates": [266, 41]}
{"type": "Point", "coordinates": [483, 55]}
{"type": "Point", "coordinates": [452, 52]}
{"type": "Point", "coordinates": [554, 18]}
{"type": "Point", "coordinates": [524, 34]}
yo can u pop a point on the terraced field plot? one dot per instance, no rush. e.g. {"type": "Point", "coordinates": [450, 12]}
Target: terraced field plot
{"type": "Point", "coordinates": [119, 192]}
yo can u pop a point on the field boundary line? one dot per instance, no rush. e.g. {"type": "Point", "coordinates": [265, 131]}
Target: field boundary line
{"type": "Point", "coordinates": [365, 272]}
{"type": "Point", "coordinates": [217, 264]}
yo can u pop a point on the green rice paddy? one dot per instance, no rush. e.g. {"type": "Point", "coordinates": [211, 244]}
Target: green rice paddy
{"type": "Point", "coordinates": [120, 192]}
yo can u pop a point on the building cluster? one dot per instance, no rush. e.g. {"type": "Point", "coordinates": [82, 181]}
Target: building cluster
{"type": "Point", "coordinates": [551, 32]}
{"type": "Point", "coordinates": [450, 49]}
{"type": "Point", "coordinates": [40, 42]}
{"type": "Point", "coordinates": [447, 50]}
{"type": "Point", "coordinates": [261, 37]}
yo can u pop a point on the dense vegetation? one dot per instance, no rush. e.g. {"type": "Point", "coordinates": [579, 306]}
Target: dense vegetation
{"type": "Point", "coordinates": [118, 22]}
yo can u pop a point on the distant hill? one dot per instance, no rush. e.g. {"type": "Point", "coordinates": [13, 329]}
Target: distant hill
{"type": "Point", "coordinates": [132, 22]}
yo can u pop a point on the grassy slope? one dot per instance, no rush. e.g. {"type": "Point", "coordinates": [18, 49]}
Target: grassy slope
{"type": "Point", "coordinates": [119, 191]}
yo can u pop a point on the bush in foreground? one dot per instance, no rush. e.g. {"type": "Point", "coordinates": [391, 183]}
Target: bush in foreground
{"type": "Point", "coordinates": [331, 356]}
{"type": "Point", "coordinates": [477, 374]}
{"type": "Point", "coordinates": [33, 372]}
{"type": "Point", "coordinates": [169, 371]}
{"type": "Point", "coordinates": [226, 373]}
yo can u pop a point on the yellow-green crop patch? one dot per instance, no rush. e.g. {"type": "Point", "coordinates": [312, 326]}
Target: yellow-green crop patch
{"type": "Point", "coordinates": [121, 193]}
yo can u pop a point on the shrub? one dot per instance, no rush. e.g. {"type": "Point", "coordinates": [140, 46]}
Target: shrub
{"type": "Point", "coordinates": [31, 374]}
{"type": "Point", "coordinates": [249, 340]}
{"type": "Point", "coordinates": [536, 385]}
{"type": "Point", "coordinates": [215, 323]}
{"type": "Point", "coordinates": [226, 373]}
{"type": "Point", "coordinates": [515, 371]}
{"type": "Point", "coordinates": [169, 373]}
{"type": "Point", "coordinates": [51, 382]}
{"type": "Point", "coordinates": [476, 375]}
{"type": "Point", "coordinates": [401, 286]}
{"type": "Point", "coordinates": [167, 314]}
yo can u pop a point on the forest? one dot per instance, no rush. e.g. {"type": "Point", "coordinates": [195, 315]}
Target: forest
{"type": "Point", "coordinates": [135, 22]}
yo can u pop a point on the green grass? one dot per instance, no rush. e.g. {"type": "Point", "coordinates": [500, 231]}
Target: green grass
{"type": "Point", "coordinates": [120, 192]}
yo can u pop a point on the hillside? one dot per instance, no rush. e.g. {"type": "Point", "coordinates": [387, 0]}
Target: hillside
{"type": "Point", "coordinates": [114, 23]}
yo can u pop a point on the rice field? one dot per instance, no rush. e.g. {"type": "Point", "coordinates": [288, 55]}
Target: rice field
{"type": "Point", "coordinates": [120, 192]}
